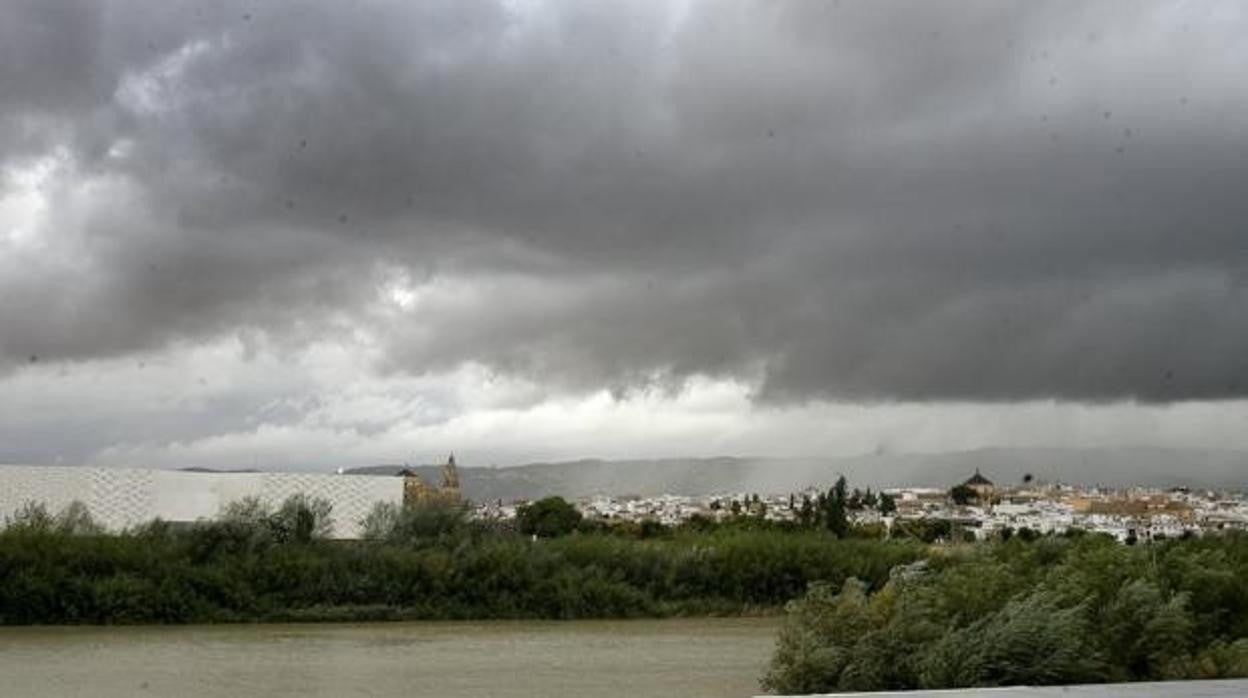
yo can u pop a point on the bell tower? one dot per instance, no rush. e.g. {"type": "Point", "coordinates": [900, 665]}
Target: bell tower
{"type": "Point", "coordinates": [450, 479]}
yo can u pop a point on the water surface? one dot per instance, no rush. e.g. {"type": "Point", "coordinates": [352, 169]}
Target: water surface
{"type": "Point", "coordinates": [677, 657]}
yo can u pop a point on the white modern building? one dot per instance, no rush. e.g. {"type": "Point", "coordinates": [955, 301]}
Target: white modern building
{"type": "Point", "coordinates": [123, 497]}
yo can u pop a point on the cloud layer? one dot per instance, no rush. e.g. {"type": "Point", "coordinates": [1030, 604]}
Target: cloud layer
{"type": "Point", "coordinates": [819, 200]}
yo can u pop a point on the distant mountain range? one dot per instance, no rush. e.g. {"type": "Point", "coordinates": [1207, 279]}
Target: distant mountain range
{"type": "Point", "coordinates": [695, 476]}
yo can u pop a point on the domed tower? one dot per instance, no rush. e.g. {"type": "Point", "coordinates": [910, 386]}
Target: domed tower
{"type": "Point", "coordinates": [983, 487]}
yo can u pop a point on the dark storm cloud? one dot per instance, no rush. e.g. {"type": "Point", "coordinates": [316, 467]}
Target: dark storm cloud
{"type": "Point", "coordinates": [844, 200]}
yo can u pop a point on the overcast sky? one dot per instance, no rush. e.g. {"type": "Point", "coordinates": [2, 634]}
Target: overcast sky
{"type": "Point", "coordinates": [304, 235]}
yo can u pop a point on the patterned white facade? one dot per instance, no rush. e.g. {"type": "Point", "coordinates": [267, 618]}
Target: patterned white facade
{"type": "Point", "coordinates": [122, 497]}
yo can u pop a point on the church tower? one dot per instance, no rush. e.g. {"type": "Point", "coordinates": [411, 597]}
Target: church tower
{"type": "Point", "coordinates": [450, 480]}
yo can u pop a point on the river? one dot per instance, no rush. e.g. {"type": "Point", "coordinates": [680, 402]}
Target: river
{"type": "Point", "coordinates": [676, 657]}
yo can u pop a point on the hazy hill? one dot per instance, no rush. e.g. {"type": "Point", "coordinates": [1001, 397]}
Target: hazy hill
{"type": "Point", "coordinates": [1110, 467]}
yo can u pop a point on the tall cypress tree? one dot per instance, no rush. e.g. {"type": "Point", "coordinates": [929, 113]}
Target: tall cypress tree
{"type": "Point", "coordinates": [837, 505]}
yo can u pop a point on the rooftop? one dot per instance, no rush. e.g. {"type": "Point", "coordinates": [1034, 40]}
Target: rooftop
{"type": "Point", "coordinates": [978, 479]}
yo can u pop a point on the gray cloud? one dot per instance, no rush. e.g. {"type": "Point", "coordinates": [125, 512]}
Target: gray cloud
{"type": "Point", "coordinates": [831, 200]}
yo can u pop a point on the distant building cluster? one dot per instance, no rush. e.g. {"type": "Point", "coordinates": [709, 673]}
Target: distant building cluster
{"type": "Point", "coordinates": [976, 508]}
{"type": "Point", "coordinates": [1128, 514]}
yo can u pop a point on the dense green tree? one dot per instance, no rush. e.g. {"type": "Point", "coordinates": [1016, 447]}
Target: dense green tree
{"type": "Point", "coordinates": [76, 520]}
{"type": "Point", "coordinates": [836, 507]}
{"type": "Point", "coordinates": [1056, 610]}
{"type": "Point", "coordinates": [652, 528]}
{"type": "Point", "coordinates": [298, 519]}
{"type": "Point", "coordinates": [1032, 640]}
{"type": "Point", "coordinates": [380, 521]}
{"type": "Point", "coordinates": [301, 519]}
{"type": "Point", "coordinates": [806, 514]}
{"type": "Point", "coordinates": [815, 646]}
{"type": "Point", "coordinates": [963, 495]}
{"type": "Point", "coordinates": [34, 517]}
{"type": "Point", "coordinates": [888, 504]}
{"type": "Point", "coordinates": [548, 518]}
{"type": "Point", "coordinates": [926, 530]}
{"type": "Point", "coordinates": [1147, 632]}
{"type": "Point", "coordinates": [422, 523]}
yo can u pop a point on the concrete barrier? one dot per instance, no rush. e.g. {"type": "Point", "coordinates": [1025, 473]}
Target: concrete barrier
{"type": "Point", "coordinates": [1157, 689]}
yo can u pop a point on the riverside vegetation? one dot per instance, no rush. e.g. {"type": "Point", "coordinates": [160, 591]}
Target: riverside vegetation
{"type": "Point", "coordinates": [427, 562]}
{"type": "Point", "coordinates": [1050, 610]}
{"type": "Point", "coordinates": [863, 613]}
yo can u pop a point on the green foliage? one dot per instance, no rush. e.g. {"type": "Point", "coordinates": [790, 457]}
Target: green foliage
{"type": "Point", "coordinates": [830, 510]}
{"type": "Point", "coordinates": [1221, 658]}
{"type": "Point", "coordinates": [250, 523]}
{"type": "Point", "coordinates": [650, 528]}
{"type": "Point", "coordinates": [380, 521]}
{"type": "Point", "coordinates": [817, 645]}
{"type": "Point", "coordinates": [863, 614]}
{"type": "Point", "coordinates": [423, 563]}
{"type": "Point", "coordinates": [888, 503]}
{"type": "Point", "coordinates": [248, 511]}
{"type": "Point", "coordinates": [421, 524]}
{"type": "Point", "coordinates": [1053, 611]}
{"type": "Point", "coordinates": [33, 517]}
{"type": "Point", "coordinates": [548, 518]}
{"type": "Point", "coordinates": [1033, 640]}
{"type": "Point", "coordinates": [963, 495]}
{"type": "Point", "coordinates": [835, 509]}
{"type": "Point", "coordinates": [73, 520]}
{"type": "Point", "coordinates": [931, 530]}
{"type": "Point", "coordinates": [301, 519]}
